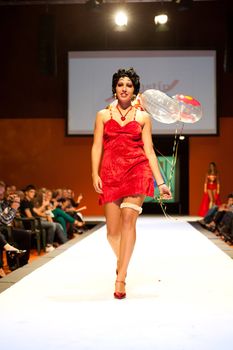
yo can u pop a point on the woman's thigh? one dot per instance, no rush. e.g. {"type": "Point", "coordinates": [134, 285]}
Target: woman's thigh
{"type": "Point", "coordinates": [137, 199]}
{"type": "Point", "coordinates": [130, 214]}
{"type": "Point", "coordinates": [113, 214]}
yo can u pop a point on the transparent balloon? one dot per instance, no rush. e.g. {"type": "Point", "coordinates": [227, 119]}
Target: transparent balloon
{"type": "Point", "coordinates": [160, 106]}
{"type": "Point", "coordinates": [190, 108]}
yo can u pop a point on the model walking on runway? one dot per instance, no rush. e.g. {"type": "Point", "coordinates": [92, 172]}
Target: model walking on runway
{"type": "Point", "coordinates": [123, 166]}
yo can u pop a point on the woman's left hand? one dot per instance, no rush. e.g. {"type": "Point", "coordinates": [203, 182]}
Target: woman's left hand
{"type": "Point", "coordinates": [165, 192]}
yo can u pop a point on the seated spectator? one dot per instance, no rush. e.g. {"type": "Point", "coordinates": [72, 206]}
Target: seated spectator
{"type": "Point", "coordinates": [65, 204]}
{"type": "Point", "coordinates": [4, 245]}
{"type": "Point", "coordinates": [71, 206]}
{"type": "Point", "coordinates": [57, 194]}
{"type": "Point", "coordinates": [68, 222]}
{"type": "Point", "coordinates": [8, 209]}
{"type": "Point", "coordinates": [225, 228]}
{"type": "Point", "coordinates": [74, 204]}
{"type": "Point", "coordinates": [10, 190]}
{"type": "Point", "coordinates": [37, 208]}
{"type": "Point", "coordinates": [43, 210]}
{"type": "Point", "coordinates": [61, 195]}
{"type": "Point", "coordinates": [214, 216]}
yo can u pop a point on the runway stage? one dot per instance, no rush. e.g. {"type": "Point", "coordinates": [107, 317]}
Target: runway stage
{"type": "Point", "coordinates": [179, 295]}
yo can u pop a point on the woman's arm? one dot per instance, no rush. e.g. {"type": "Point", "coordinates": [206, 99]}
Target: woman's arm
{"type": "Point", "coordinates": [150, 154]}
{"type": "Point", "coordinates": [218, 184]}
{"type": "Point", "coordinates": [205, 183]}
{"type": "Point", "coordinates": [96, 152]}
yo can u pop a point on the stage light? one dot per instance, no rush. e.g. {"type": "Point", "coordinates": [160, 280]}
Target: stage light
{"type": "Point", "coordinates": [161, 22]}
{"type": "Point", "coordinates": [162, 18]}
{"type": "Point", "coordinates": [121, 19]}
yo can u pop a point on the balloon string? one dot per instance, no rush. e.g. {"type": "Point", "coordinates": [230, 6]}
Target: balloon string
{"type": "Point", "coordinates": [157, 151]}
{"type": "Point", "coordinates": [173, 164]}
{"type": "Point", "coordinates": [173, 149]}
{"type": "Point", "coordinates": [163, 207]}
{"type": "Point", "coordinates": [175, 153]}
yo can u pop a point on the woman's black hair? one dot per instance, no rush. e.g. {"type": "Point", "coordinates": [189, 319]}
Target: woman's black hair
{"type": "Point", "coordinates": [212, 168]}
{"type": "Point", "coordinates": [131, 74]}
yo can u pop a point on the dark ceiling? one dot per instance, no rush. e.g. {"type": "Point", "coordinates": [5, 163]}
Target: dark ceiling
{"type": "Point", "coordinates": [37, 35]}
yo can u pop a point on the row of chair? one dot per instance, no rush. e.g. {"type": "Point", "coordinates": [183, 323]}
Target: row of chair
{"type": "Point", "coordinates": [33, 225]}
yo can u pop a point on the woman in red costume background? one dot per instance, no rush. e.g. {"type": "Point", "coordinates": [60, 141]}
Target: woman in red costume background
{"type": "Point", "coordinates": [211, 190]}
{"type": "Point", "coordinates": [123, 167]}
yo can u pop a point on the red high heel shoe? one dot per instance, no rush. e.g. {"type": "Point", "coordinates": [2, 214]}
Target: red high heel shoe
{"type": "Point", "coordinates": [119, 295]}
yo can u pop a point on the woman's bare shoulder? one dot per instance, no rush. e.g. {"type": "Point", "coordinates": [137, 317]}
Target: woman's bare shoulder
{"type": "Point", "coordinates": [143, 113]}
{"type": "Point", "coordinates": [143, 117]}
{"type": "Point", "coordinates": [103, 115]}
{"type": "Point", "coordinates": [103, 111]}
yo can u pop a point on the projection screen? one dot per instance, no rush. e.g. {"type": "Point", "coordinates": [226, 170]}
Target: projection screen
{"type": "Point", "coordinates": [190, 73]}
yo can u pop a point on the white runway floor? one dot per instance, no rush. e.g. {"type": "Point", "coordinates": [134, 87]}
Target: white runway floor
{"type": "Point", "coordinates": [179, 296]}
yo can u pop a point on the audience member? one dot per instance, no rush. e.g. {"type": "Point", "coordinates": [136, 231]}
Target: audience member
{"type": "Point", "coordinates": [66, 205]}
{"type": "Point", "coordinates": [59, 213]}
{"type": "Point", "coordinates": [214, 216]}
{"type": "Point", "coordinates": [8, 210]}
{"type": "Point", "coordinates": [73, 206]}
{"type": "Point", "coordinates": [219, 220]}
{"type": "Point", "coordinates": [225, 228]}
{"type": "Point", "coordinates": [29, 209]}
{"type": "Point", "coordinates": [67, 221]}
{"type": "Point", "coordinates": [10, 190]}
{"type": "Point", "coordinates": [4, 245]}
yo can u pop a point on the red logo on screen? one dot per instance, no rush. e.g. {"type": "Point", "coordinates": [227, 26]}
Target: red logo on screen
{"type": "Point", "coordinates": [160, 85]}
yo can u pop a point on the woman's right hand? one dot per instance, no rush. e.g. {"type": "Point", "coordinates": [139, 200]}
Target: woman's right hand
{"type": "Point", "coordinates": [165, 192]}
{"type": "Point", "coordinates": [97, 183]}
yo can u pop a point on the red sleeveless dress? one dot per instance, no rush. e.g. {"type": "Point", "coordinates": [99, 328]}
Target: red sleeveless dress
{"type": "Point", "coordinates": [125, 169]}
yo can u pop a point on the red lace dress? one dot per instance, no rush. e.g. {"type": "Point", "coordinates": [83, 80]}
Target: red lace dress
{"type": "Point", "coordinates": [125, 169]}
